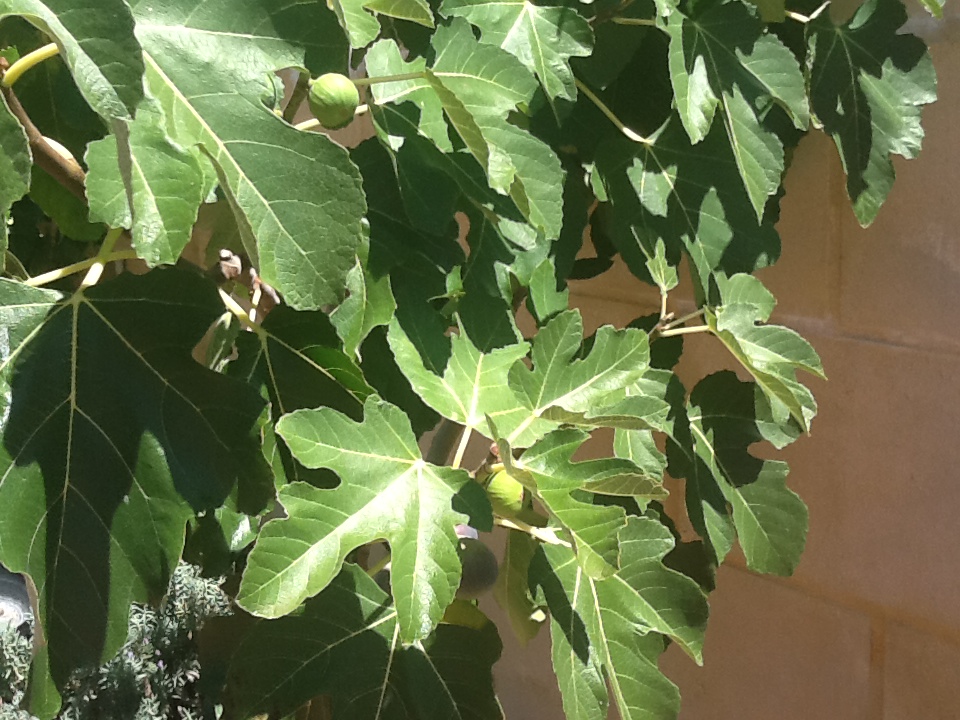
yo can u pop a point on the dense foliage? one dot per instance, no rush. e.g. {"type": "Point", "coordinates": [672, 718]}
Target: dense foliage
{"type": "Point", "coordinates": [224, 336]}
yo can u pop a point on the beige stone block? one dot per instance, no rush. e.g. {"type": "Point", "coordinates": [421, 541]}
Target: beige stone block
{"type": "Point", "coordinates": [806, 277]}
{"type": "Point", "coordinates": [773, 653]}
{"type": "Point", "coordinates": [524, 678]}
{"type": "Point", "coordinates": [879, 474]}
{"type": "Point", "coordinates": [617, 284]}
{"type": "Point", "coordinates": [900, 278]}
{"type": "Point", "coordinates": [921, 676]}
{"type": "Point", "coordinates": [597, 311]}
{"type": "Point", "coordinates": [805, 280]}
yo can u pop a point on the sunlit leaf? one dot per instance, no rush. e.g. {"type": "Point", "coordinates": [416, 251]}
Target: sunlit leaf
{"type": "Point", "coordinates": [868, 85]}
{"type": "Point", "coordinates": [386, 491]}
{"type": "Point", "coordinates": [224, 112]}
{"type": "Point", "coordinates": [112, 436]}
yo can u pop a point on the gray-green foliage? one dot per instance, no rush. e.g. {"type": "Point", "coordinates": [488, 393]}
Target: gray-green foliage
{"type": "Point", "coordinates": [155, 675]}
{"type": "Point", "coordinates": [264, 415]}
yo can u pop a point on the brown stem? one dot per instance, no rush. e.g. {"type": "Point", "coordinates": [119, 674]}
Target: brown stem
{"type": "Point", "coordinates": [444, 440]}
{"type": "Point", "coordinates": [297, 97]}
{"type": "Point", "coordinates": [65, 171]}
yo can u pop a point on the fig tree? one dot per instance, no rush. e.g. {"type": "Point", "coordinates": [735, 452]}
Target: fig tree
{"type": "Point", "coordinates": [333, 100]}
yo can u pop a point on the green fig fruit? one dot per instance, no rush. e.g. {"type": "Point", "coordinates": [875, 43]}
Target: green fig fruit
{"type": "Point", "coordinates": [480, 568]}
{"type": "Point", "coordinates": [505, 493]}
{"type": "Point", "coordinates": [333, 100]}
{"type": "Point", "coordinates": [511, 500]}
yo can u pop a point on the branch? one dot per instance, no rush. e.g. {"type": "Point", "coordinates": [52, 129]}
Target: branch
{"type": "Point", "coordinates": [64, 170]}
{"type": "Point", "coordinates": [448, 432]}
{"type": "Point", "coordinates": [300, 91]}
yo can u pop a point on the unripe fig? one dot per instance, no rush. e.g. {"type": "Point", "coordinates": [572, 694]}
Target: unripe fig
{"type": "Point", "coordinates": [479, 568]}
{"type": "Point", "coordinates": [511, 500]}
{"type": "Point", "coordinates": [505, 493]}
{"type": "Point", "coordinates": [333, 100]}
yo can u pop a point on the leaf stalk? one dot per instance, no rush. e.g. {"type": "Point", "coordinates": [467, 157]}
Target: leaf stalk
{"type": "Point", "coordinates": [682, 319]}
{"type": "Point", "coordinates": [462, 448]}
{"type": "Point", "coordinates": [28, 61]}
{"type": "Point", "coordinates": [379, 565]}
{"type": "Point", "coordinates": [807, 18]}
{"type": "Point", "coordinates": [545, 535]}
{"type": "Point", "coordinates": [633, 21]}
{"type": "Point", "coordinates": [360, 82]}
{"type": "Point", "coordinates": [99, 262]}
{"type": "Point", "coordinates": [611, 116]}
{"type": "Point", "coordinates": [685, 330]}
{"type": "Point", "coordinates": [238, 311]}
{"type": "Point", "coordinates": [67, 270]}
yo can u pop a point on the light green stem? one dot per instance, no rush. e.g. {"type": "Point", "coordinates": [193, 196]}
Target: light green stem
{"type": "Point", "coordinates": [461, 448]}
{"type": "Point", "coordinates": [682, 319]}
{"type": "Point", "coordinates": [635, 136]}
{"type": "Point", "coordinates": [28, 61]}
{"type": "Point", "coordinates": [527, 422]}
{"type": "Point", "coordinates": [545, 535]}
{"type": "Point", "coordinates": [238, 311]}
{"type": "Point", "coordinates": [360, 82]}
{"type": "Point", "coordinates": [67, 270]}
{"type": "Point", "coordinates": [807, 18]}
{"type": "Point", "coordinates": [99, 262]}
{"type": "Point", "coordinates": [634, 21]}
{"type": "Point", "coordinates": [685, 331]}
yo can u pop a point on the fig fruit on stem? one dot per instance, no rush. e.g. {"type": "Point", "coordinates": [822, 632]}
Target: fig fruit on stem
{"type": "Point", "coordinates": [333, 99]}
